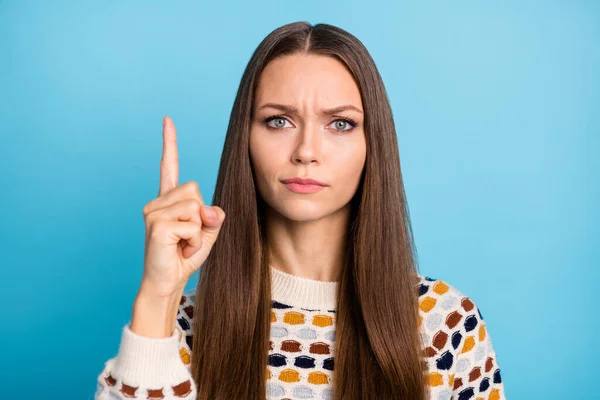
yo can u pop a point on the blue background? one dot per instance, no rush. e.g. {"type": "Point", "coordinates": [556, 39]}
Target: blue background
{"type": "Point", "coordinates": [498, 118]}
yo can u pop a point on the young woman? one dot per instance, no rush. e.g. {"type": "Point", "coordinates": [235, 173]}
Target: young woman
{"type": "Point", "coordinates": [315, 260]}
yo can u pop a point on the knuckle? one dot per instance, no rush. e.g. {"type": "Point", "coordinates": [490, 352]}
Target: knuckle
{"type": "Point", "coordinates": [191, 185]}
{"type": "Point", "coordinates": [194, 205]}
{"type": "Point", "coordinates": [158, 228]}
{"type": "Point", "coordinates": [150, 217]}
{"type": "Point", "coordinates": [193, 188]}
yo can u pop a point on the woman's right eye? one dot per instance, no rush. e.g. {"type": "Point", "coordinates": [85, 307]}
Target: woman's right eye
{"type": "Point", "coordinates": [276, 122]}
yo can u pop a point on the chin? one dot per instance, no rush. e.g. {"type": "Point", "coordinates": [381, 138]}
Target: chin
{"type": "Point", "coordinates": [302, 211]}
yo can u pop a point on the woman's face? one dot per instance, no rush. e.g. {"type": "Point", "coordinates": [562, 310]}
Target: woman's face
{"type": "Point", "coordinates": [296, 132]}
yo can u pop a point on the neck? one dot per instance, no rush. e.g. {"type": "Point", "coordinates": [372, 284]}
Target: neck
{"type": "Point", "coordinates": [308, 249]}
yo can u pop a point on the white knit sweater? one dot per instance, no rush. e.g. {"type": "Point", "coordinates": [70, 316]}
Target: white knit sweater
{"type": "Point", "coordinates": [462, 361]}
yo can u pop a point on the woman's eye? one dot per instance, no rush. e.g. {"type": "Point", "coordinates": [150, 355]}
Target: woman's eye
{"type": "Point", "coordinates": [277, 122]}
{"type": "Point", "coordinates": [340, 124]}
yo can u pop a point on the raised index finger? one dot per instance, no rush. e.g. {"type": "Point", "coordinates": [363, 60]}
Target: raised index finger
{"type": "Point", "coordinates": [169, 164]}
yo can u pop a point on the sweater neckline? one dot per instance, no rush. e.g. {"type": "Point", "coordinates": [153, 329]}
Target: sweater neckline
{"type": "Point", "coordinates": [301, 292]}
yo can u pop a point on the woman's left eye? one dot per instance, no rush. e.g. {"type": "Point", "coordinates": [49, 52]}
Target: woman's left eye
{"type": "Point", "coordinates": [339, 124]}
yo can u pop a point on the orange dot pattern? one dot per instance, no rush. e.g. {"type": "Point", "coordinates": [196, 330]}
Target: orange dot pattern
{"type": "Point", "coordinates": [456, 344]}
{"type": "Point", "coordinates": [462, 361]}
{"type": "Point", "coordinates": [300, 353]}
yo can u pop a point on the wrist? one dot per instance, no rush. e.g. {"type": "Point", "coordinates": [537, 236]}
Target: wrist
{"type": "Point", "coordinates": [155, 316]}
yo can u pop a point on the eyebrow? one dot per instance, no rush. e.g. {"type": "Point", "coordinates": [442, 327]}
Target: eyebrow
{"type": "Point", "coordinates": [294, 110]}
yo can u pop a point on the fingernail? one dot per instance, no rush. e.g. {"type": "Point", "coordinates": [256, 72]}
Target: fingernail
{"type": "Point", "coordinates": [211, 213]}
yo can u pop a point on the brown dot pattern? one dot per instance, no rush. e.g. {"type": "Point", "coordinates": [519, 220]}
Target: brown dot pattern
{"type": "Point", "coordinates": [456, 345]}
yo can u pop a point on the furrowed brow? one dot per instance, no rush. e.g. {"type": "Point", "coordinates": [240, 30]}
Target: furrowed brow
{"type": "Point", "coordinates": [294, 110]}
{"type": "Point", "coordinates": [337, 110]}
{"type": "Point", "coordinates": [281, 107]}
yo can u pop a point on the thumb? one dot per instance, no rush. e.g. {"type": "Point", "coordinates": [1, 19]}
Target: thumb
{"type": "Point", "coordinates": [212, 220]}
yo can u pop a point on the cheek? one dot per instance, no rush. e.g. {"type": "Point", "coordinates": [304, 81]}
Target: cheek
{"type": "Point", "coordinates": [349, 162]}
{"type": "Point", "coordinates": [258, 152]}
{"type": "Point", "coordinates": [266, 161]}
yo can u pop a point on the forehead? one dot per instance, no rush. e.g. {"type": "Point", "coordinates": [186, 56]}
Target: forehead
{"type": "Point", "coordinates": [301, 78]}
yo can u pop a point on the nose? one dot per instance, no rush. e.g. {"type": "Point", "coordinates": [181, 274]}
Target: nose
{"type": "Point", "coordinates": [308, 148]}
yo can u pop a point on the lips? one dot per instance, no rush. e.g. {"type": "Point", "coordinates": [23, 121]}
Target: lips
{"type": "Point", "coordinates": [303, 181]}
{"type": "Point", "coordinates": [303, 185]}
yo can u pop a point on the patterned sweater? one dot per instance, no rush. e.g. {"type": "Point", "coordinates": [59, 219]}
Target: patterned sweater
{"type": "Point", "coordinates": [462, 362]}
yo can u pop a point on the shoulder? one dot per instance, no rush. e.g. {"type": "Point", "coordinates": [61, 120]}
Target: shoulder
{"type": "Point", "coordinates": [461, 358]}
{"type": "Point", "coordinates": [439, 296]}
{"type": "Point", "coordinates": [448, 318]}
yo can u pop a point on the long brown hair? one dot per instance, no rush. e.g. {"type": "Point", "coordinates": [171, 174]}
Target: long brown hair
{"type": "Point", "coordinates": [378, 351]}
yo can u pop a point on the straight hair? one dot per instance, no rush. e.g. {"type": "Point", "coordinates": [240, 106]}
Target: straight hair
{"type": "Point", "coordinates": [378, 349]}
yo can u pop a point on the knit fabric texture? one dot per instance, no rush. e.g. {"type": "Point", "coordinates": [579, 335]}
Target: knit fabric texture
{"type": "Point", "coordinates": [461, 359]}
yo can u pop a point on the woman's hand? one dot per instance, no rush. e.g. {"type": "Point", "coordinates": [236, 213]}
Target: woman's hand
{"type": "Point", "coordinates": [180, 229]}
{"type": "Point", "coordinates": [180, 232]}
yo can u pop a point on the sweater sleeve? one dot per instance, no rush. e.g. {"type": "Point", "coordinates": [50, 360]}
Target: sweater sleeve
{"type": "Point", "coordinates": [462, 363]}
{"type": "Point", "coordinates": [151, 368]}
{"type": "Point", "coordinates": [476, 371]}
